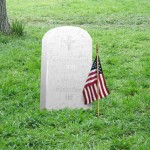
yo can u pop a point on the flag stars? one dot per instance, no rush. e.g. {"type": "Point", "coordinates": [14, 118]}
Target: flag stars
{"type": "Point", "coordinates": [94, 66]}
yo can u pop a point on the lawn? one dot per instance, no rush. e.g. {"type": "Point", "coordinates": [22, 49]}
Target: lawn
{"type": "Point", "coordinates": [122, 28]}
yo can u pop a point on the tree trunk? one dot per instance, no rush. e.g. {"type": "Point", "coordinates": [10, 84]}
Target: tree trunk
{"type": "Point", "coordinates": [4, 24]}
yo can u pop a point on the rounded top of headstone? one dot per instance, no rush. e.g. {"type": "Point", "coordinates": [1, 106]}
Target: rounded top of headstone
{"type": "Point", "coordinates": [69, 30]}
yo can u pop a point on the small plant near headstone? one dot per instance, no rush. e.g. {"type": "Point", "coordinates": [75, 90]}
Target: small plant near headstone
{"type": "Point", "coordinates": [17, 28]}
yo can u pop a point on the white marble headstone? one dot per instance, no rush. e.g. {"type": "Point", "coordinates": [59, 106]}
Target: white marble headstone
{"type": "Point", "coordinates": [66, 62]}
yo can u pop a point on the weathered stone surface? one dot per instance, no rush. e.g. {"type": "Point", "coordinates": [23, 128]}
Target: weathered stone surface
{"type": "Point", "coordinates": [66, 62]}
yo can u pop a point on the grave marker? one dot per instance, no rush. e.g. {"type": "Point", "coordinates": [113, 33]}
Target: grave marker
{"type": "Point", "coordinates": [66, 61]}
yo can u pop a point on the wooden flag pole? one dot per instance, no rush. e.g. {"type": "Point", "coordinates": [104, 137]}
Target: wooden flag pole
{"type": "Point", "coordinates": [97, 80]}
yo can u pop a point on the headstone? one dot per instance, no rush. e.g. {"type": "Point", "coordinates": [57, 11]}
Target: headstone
{"type": "Point", "coordinates": [66, 62]}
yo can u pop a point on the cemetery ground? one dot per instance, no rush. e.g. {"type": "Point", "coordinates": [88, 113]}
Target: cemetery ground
{"type": "Point", "coordinates": [122, 28]}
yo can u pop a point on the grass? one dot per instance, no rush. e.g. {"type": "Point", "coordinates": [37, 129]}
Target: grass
{"type": "Point", "coordinates": [17, 28]}
{"type": "Point", "coordinates": [123, 30]}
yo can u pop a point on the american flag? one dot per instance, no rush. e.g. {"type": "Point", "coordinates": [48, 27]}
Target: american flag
{"type": "Point", "coordinates": [91, 91]}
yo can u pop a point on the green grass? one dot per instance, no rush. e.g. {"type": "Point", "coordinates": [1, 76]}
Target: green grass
{"type": "Point", "coordinates": [17, 28]}
{"type": "Point", "coordinates": [122, 27]}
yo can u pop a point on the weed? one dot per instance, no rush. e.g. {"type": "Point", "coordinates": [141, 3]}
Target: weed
{"type": "Point", "coordinates": [17, 28]}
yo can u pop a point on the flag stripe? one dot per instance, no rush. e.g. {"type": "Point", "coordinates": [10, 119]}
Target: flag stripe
{"type": "Point", "coordinates": [91, 92]}
{"type": "Point", "coordinates": [105, 83]}
{"type": "Point", "coordinates": [91, 78]}
{"type": "Point", "coordinates": [94, 72]}
{"type": "Point", "coordinates": [90, 82]}
{"type": "Point", "coordinates": [87, 99]}
{"type": "Point", "coordinates": [102, 86]}
{"type": "Point", "coordinates": [95, 87]}
{"type": "Point", "coordinates": [94, 94]}
{"type": "Point", "coordinates": [88, 95]}
{"type": "Point", "coordinates": [93, 75]}
{"type": "Point", "coordinates": [100, 89]}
